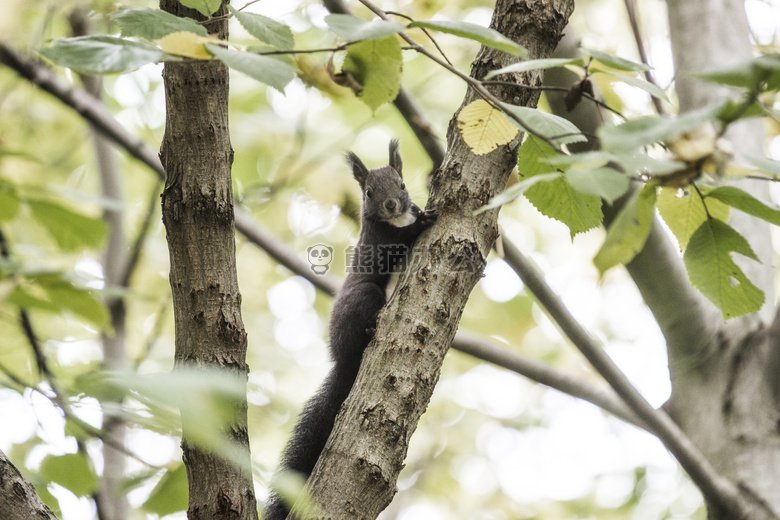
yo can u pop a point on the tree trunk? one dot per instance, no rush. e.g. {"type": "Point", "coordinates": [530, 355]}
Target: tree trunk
{"type": "Point", "coordinates": [197, 206]}
{"type": "Point", "coordinates": [357, 472]}
{"type": "Point", "coordinates": [18, 499]}
{"type": "Point", "coordinates": [725, 398]}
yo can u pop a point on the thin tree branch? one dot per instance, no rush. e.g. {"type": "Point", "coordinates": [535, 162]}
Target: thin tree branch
{"type": "Point", "coordinates": [604, 398]}
{"type": "Point", "coordinates": [475, 84]}
{"type": "Point", "coordinates": [94, 112]}
{"type": "Point", "coordinates": [407, 106]}
{"type": "Point", "coordinates": [640, 47]}
{"type": "Point", "coordinates": [657, 270]}
{"type": "Point", "coordinates": [717, 489]}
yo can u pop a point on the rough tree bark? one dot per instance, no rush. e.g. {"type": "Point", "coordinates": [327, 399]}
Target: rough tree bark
{"type": "Point", "coordinates": [197, 206]}
{"type": "Point", "coordinates": [357, 472]}
{"type": "Point", "coordinates": [18, 499]}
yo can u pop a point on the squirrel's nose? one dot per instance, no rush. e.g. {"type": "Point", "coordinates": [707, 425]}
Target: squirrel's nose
{"type": "Point", "coordinates": [390, 204]}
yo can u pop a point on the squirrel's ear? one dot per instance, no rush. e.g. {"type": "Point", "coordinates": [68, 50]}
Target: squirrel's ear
{"type": "Point", "coordinates": [359, 170]}
{"type": "Point", "coordinates": [395, 156]}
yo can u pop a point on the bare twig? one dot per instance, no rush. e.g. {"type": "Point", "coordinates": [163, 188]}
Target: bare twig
{"type": "Point", "coordinates": [475, 84]}
{"type": "Point", "coordinates": [640, 46]}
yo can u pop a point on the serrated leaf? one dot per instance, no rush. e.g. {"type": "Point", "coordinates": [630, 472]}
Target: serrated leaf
{"type": "Point", "coordinates": [484, 128]}
{"type": "Point", "coordinates": [204, 7]}
{"type": "Point", "coordinates": [71, 471]}
{"type": "Point", "coordinates": [524, 66]}
{"type": "Point", "coordinates": [185, 43]}
{"type": "Point", "coordinates": [642, 84]}
{"type": "Point", "coordinates": [556, 198]}
{"type": "Point", "coordinates": [534, 157]}
{"type": "Point", "coordinates": [549, 125]}
{"type": "Point", "coordinates": [71, 230]}
{"type": "Point", "coordinates": [684, 212]}
{"type": "Point", "coordinates": [514, 191]}
{"type": "Point", "coordinates": [615, 61]}
{"type": "Point", "coordinates": [635, 134]}
{"type": "Point", "coordinates": [270, 71]}
{"type": "Point", "coordinates": [629, 231]}
{"type": "Point", "coordinates": [265, 29]}
{"type": "Point", "coordinates": [153, 24]}
{"type": "Point", "coordinates": [743, 201]}
{"type": "Point", "coordinates": [484, 35]}
{"type": "Point", "coordinates": [9, 201]}
{"type": "Point", "coordinates": [171, 493]}
{"type": "Point", "coordinates": [350, 28]}
{"type": "Point", "coordinates": [605, 182]}
{"type": "Point", "coordinates": [376, 65]}
{"type": "Point", "coordinates": [101, 54]}
{"type": "Point", "coordinates": [712, 270]}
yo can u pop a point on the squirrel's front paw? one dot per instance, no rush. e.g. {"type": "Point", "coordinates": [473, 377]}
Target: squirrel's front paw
{"type": "Point", "coordinates": [428, 217]}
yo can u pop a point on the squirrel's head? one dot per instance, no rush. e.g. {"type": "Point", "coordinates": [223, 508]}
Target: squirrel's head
{"type": "Point", "coordinates": [384, 193]}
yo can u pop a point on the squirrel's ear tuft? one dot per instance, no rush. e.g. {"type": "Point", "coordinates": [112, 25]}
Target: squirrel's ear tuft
{"type": "Point", "coordinates": [395, 156]}
{"type": "Point", "coordinates": [359, 170]}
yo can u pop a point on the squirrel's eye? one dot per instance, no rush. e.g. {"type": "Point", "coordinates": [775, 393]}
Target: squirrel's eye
{"type": "Point", "coordinates": [403, 185]}
{"type": "Point", "coordinates": [369, 193]}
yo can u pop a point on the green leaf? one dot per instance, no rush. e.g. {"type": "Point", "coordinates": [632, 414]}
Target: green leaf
{"type": "Point", "coordinates": [53, 292]}
{"type": "Point", "coordinates": [153, 24]}
{"type": "Point", "coordinates": [743, 201]}
{"type": "Point", "coordinates": [78, 301]}
{"type": "Point", "coordinates": [605, 182]}
{"type": "Point", "coordinates": [171, 493]}
{"type": "Point", "coordinates": [713, 271]}
{"type": "Point", "coordinates": [642, 84]}
{"type": "Point", "coordinates": [71, 471]}
{"type": "Point", "coordinates": [762, 73]}
{"type": "Point", "coordinates": [270, 71]}
{"type": "Point", "coordinates": [376, 65]}
{"type": "Point", "coordinates": [555, 197]}
{"type": "Point", "coordinates": [534, 157]}
{"type": "Point", "coordinates": [740, 75]}
{"type": "Point", "coordinates": [265, 29]}
{"type": "Point", "coordinates": [616, 62]}
{"type": "Point", "coordinates": [514, 191]}
{"type": "Point", "coordinates": [352, 29]}
{"type": "Point", "coordinates": [684, 212]}
{"type": "Point", "coordinates": [204, 7]}
{"type": "Point", "coordinates": [101, 54]}
{"type": "Point", "coordinates": [768, 166]}
{"type": "Point", "coordinates": [9, 201]}
{"type": "Point", "coordinates": [483, 35]}
{"type": "Point", "coordinates": [71, 230]}
{"type": "Point", "coordinates": [629, 231]}
{"type": "Point", "coordinates": [635, 134]}
{"type": "Point", "coordinates": [548, 125]}
{"type": "Point", "coordinates": [525, 66]}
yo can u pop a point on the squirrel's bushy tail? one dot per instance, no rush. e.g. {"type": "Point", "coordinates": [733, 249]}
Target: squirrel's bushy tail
{"type": "Point", "coordinates": [312, 431]}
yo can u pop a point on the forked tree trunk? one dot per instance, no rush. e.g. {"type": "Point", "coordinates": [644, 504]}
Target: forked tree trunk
{"type": "Point", "coordinates": [199, 222]}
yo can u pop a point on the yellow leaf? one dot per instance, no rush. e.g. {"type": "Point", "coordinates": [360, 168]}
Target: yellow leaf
{"type": "Point", "coordinates": [185, 43]}
{"type": "Point", "coordinates": [484, 128]}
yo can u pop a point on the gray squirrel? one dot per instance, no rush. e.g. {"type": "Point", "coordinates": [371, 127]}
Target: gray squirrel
{"type": "Point", "coordinates": [389, 224]}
